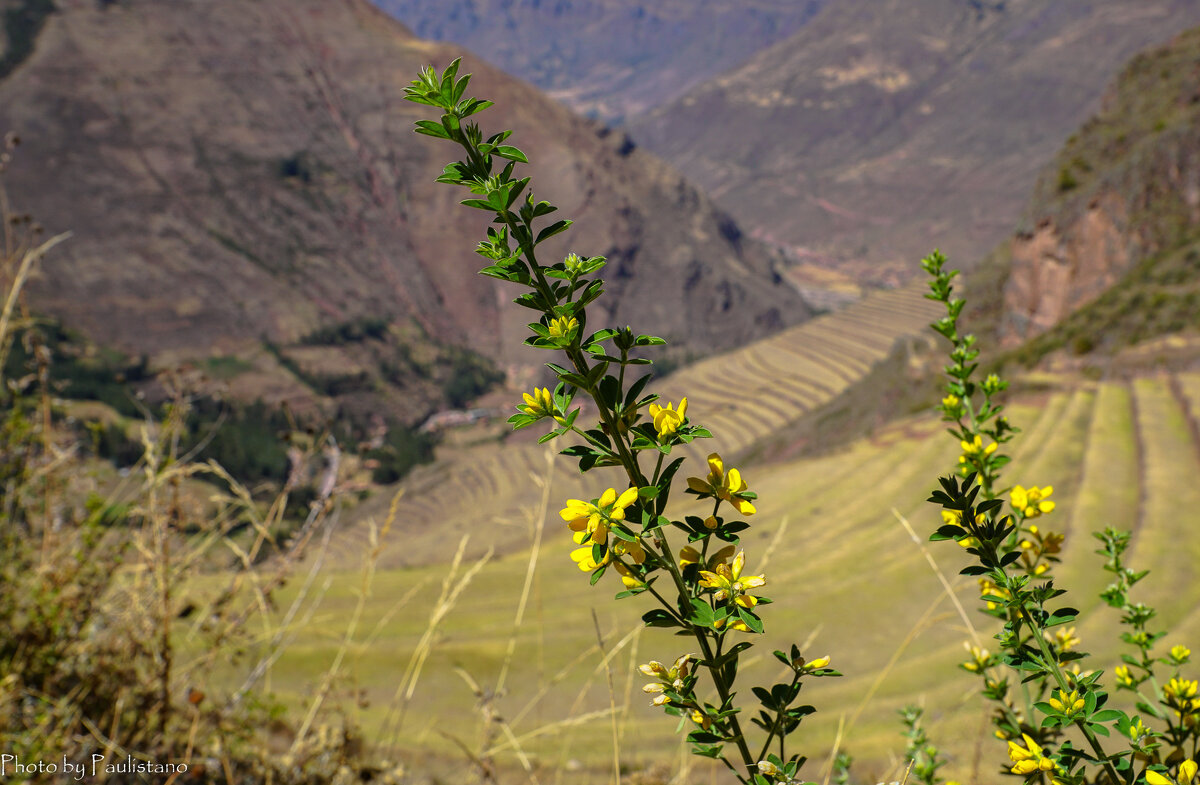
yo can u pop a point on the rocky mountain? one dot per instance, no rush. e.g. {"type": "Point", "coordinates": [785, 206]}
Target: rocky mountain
{"type": "Point", "coordinates": [883, 128]}
{"type": "Point", "coordinates": [608, 58]}
{"type": "Point", "coordinates": [1114, 223]}
{"type": "Point", "coordinates": [240, 175]}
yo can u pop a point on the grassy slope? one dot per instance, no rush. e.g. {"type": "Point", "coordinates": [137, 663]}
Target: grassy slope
{"type": "Point", "coordinates": [743, 396]}
{"type": "Point", "coordinates": [1087, 439]}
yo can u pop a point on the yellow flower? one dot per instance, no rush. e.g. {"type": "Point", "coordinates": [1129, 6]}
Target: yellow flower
{"type": "Point", "coordinates": [1029, 758]}
{"type": "Point", "coordinates": [1064, 638]}
{"type": "Point", "coordinates": [583, 557]}
{"type": "Point", "coordinates": [630, 580]}
{"type": "Point", "coordinates": [689, 555]}
{"type": "Point", "coordinates": [701, 719]}
{"type": "Point", "coordinates": [950, 402]}
{"type": "Point", "coordinates": [975, 447]}
{"type": "Point", "coordinates": [817, 664]}
{"type": "Point", "coordinates": [1032, 502]}
{"type": "Point", "coordinates": [1123, 676]}
{"type": "Point", "coordinates": [1067, 703]}
{"type": "Point", "coordinates": [736, 624]}
{"type": "Point", "coordinates": [980, 658]}
{"type": "Point", "coordinates": [728, 486]}
{"type": "Point", "coordinates": [540, 404]}
{"type": "Point", "coordinates": [730, 583]}
{"type": "Point", "coordinates": [1180, 654]}
{"type": "Point", "coordinates": [671, 678]}
{"type": "Point", "coordinates": [634, 550]}
{"type": "Point", "coordinates": [1137, 731]}
{"type": "Point", "coordinates": [1181, 696]}
{"type": "Point", "coordinates": [595, 516]}
{"type": "Point", "coordinates": [667, 421]}
{"type": "Point", "coordinates": [563, 327]}
{"type": "Point", "coordinates": [1187, 773]}
{"type": "Point", "coordinates": [1180, 688]}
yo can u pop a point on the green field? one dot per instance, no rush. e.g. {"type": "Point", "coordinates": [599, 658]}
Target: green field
{"type": "Point", "coordinates": [847, 577]}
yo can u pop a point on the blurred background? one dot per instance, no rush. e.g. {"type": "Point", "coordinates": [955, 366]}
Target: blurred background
{"type": "Point", "coordinates": [262, 509]}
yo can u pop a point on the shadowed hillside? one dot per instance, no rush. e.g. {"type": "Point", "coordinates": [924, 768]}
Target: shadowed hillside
{"type": "Point", "coordinates": [244, 173]}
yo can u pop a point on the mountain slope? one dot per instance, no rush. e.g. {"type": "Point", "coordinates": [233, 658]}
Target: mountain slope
{"type": "Point", "coordinates": [1114, 223]}
{"type": "Point", "coordinates": [608, 58]}
{"type": "Point", "coordinates": [882, 129]}
{"type": "Point", "coordinates": [237, 173]}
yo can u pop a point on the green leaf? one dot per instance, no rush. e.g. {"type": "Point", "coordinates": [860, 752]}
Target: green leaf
{"type": "Point", "coordinates": [511, 153]}
{"type": "Point", "coordinates": [1107, 715]}
{"type": "Point", "coordinates": [1061, 616]}
{"type": "Point", "coordinates": [430, 128]}
{"type": "Point", "coordinates": [752, 621]}
{"type": "Point", "coordinates": [472, 106]}
{"type": "Point", "coordinates": [703, 737]}
{"type": "Point", "coordinates": [702, 613]}
{"type": "Point", "coordinates": [659, 617]}
{"type": "Point", "coordinates": [553, 229]}
{"type": "Point", "coordinates": [447, 85]}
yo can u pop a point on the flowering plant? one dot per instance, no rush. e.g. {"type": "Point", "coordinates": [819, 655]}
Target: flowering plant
{"type": "Point", "coordinates": [702, 589]}
{"type": "Point", "coordinates": [1055, 705]}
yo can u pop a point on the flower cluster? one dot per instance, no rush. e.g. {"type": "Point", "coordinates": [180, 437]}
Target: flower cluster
{"type": "Point", "coordinates": [672, 680]}
{"type": "Point", "coordinates": [1031, 502]}
{"type": "Point", "coordinates": [595, 517]}
{"type": "Point", "coordinates": [981, 659]}
{"type": "Point", "coordinates": [1180, 696]}
{"type": "Point", "coordinates": [1029, 758]}
{"type": "Point", "coordinates": [722, 485]}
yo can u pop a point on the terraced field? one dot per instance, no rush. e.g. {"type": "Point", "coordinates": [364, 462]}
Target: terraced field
{"type": "Point", "coordinates": [741, 396]}
{"type": "Point", "coordinates": [751, 393]}
{"type": "Point", "coordinates": [845, 574]}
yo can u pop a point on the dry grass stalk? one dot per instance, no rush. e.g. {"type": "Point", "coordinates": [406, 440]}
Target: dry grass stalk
{"type": "Point", "coordinates": [452, 588]}
{"type": "Point", "coordinates": [612, 700]}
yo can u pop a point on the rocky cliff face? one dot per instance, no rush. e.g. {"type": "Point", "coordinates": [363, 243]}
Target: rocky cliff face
{"type": "Point", "coordinates": [238, 172]}
{"type": "Point", "coordinates": [1125, 188]}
